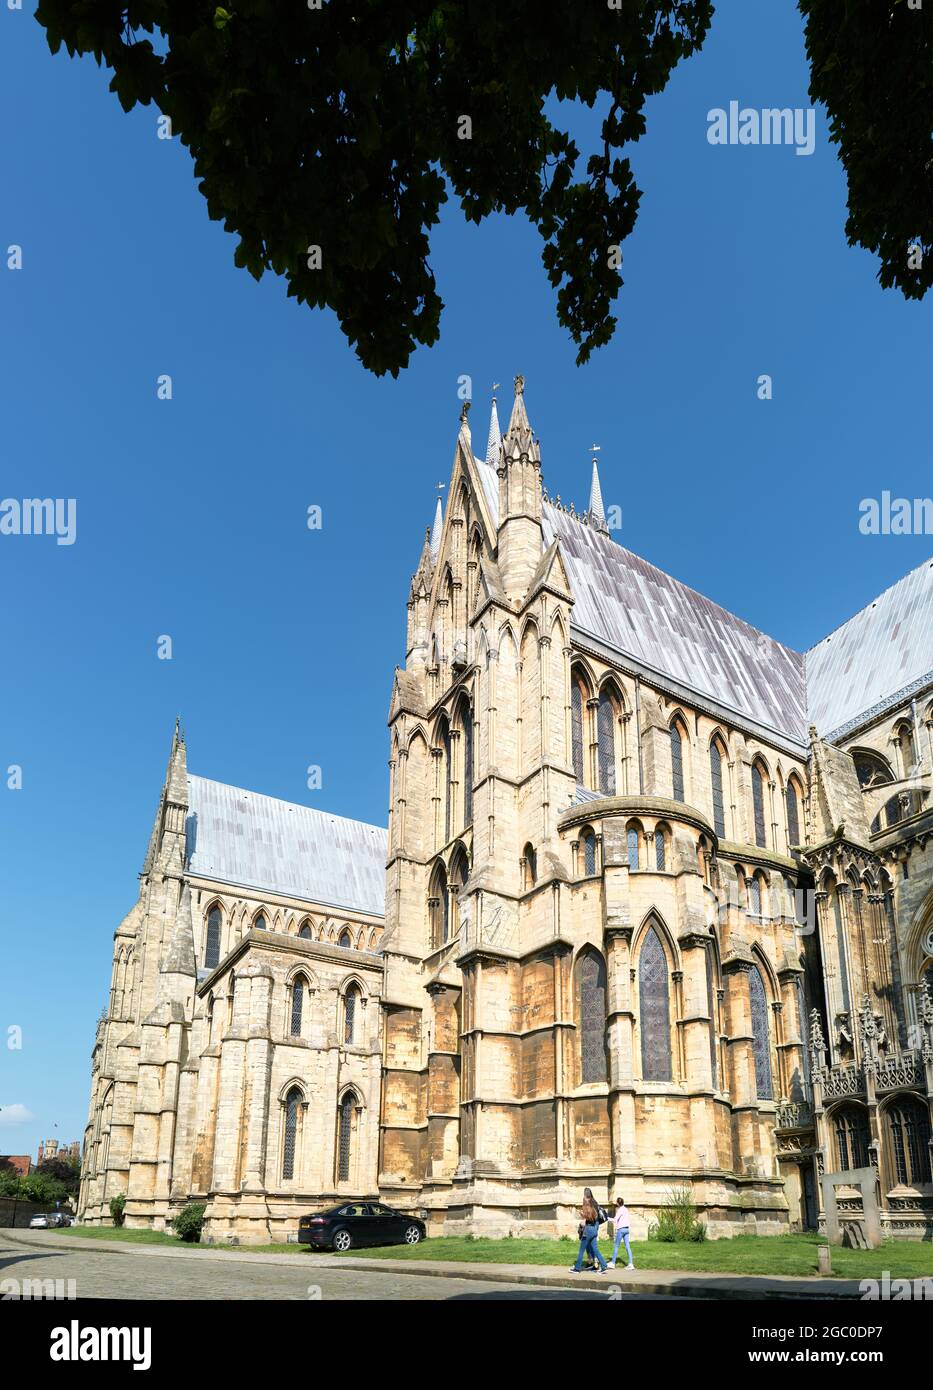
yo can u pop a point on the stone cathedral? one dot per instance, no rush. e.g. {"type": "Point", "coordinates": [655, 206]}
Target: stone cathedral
{"type": "Point", "coordinates": [654, 909]}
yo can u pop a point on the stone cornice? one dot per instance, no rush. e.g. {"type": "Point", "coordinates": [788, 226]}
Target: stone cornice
{"type": "Point", "coordinates": [661, 806]}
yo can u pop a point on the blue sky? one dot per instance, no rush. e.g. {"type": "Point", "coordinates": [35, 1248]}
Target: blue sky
{"type": "Point", "coordinates": [191, 513]}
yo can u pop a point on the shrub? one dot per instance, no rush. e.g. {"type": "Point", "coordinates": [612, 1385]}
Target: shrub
{"type": "Point", "coordinates": [677, 1219]}
{"type": "Point", "coordinates": [189, 1221]}
{"type": "Point", "coordinates": [117, 1206]}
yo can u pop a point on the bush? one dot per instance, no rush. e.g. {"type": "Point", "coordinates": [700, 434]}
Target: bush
{"type": "Point", "coordinates": [190, 1221]}
{"type": "Point", "coordinates": [677, 1220]}
{"type": "Point", "coordinates": [117, 1206]}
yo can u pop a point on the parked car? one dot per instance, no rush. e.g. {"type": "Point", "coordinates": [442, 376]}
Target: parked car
{"type": "Point", "coordinates": [49, 1220]}
{"type": "Point", "coordinates": [359, 1223]}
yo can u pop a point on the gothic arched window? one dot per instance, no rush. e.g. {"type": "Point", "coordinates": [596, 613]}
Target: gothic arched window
{"type": "Point", "coordinates": [445, 743]}
{"type": "Point", "coordinates": [439, 907]}
{"type": "Point", "coordinates": [713, 1014]}
{"type": "Point", "coordinates": [654, 1010]}
{"type": "Point", "coordinates": [908, 1125]}
{"type": "Point", "coordinates": [588, 849]}
{"type": "Point", "coordinates": [591, 987]}
{"type": "Point", "coordinates": [761, 1035]}
{"type": "Point", "coordinates": [212, 944]}
{"type": "Point", "coordinates": [660, 850]}
{"type": "Point", "coordinates": [292, 1102]}
{"type": "Point", "coordinates": [793, 813]}
{"type": "Point", "coordinates": [345, 939]}
{"type": "Point", "coordinates": [715, 776]}
{"type": "Point", "coordinates": [606, 743]}
{"type": "Point", "coordinates": [298, 994]}
{"type": "Point", "coordinates": [754, 896]}
{"type": "Point", "coordinates": [577, 703]}
{"type": "Point", "coordinates": [850, 1126]}
{"type": "Point", "coordinates": [531, 866]}
{"type": "Point", "coordinates": [348, 1105]}
{"type": "Point", "coordinates": [350, 1021]}
{"type": "Point", "coordinates": [466, 717]}
{"type": "Point", "coordinates": [677, 762]}
{"type": "Point", "coordinates": [305, 931]}
{"type": "Point", "coordinates": [259, 922]}
{"type": "Point", "coordinates": [758, 805]}
{"type": "Point", "coordinates": [632, 837]}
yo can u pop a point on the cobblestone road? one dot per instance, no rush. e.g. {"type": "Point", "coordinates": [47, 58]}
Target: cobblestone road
{"type": "Point", "coordinates": [144, 1274]}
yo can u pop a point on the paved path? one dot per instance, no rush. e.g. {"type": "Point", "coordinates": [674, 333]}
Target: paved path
{"type": "Point", "coordinates": [203, 1273]}
{"type": "Point", "coordinates": [111, 1269]}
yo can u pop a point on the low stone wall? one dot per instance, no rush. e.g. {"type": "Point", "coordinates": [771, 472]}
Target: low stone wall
{"type": "Point", "coordinates": [16, 1211]}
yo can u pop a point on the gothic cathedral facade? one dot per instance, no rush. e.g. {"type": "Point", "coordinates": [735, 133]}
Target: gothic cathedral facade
{"type": "Point", "coordinates": [654, 910]}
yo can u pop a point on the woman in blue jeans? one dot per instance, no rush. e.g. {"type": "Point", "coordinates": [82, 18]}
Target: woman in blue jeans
{"type": "Point", "coordinates": [589, 1229]}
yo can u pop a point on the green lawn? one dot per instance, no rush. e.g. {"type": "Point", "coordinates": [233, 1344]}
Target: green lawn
{"type": "Point", "coordinates": [741, 1255]}
{"type": "Point", "coordinates": [793, 1254]}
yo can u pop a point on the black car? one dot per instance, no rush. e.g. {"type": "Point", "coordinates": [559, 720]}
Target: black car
{"type": "Point", "coordinates": [360, 1223]}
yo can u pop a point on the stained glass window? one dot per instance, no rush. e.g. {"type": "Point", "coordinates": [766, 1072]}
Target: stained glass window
{"type": "Point", "coordinates": [677, 763]}
{"type": "Point", "coordinates": [909, 1127]}
{"type": "Point", "coordinates": [632, 843]}
{"type": "Point", "coordinates": [349, 1020]}
{"type": "Point", "coordinates": [715, 773]}
{"type": "Point", "coordinates": [711, 1005]}
{"type": "Point", "coordinates": [591, 974]}
{"type": "Point", "coordinates": [347, 1106]}
{"type": "Point", "coordinates": [576, 728]}
{"type": "Point", "coordinates": [659, 850]}
{"type": "Point", "coordinates": [841, 951]}
{"type": "Point", "coordinates": [445, 738]}
{"type": "Point", "coordinates": [851, 1127]}
{"type": "Point", "coordinates": [606, 740]}
{"type": "Point", "coordinates": [467, 765]}
{"type": "Point", "coordinates": [758, 802]}
{"type": "Point", "coordinates": [298, 991]}
{"type": "Point", "coordinates": [292, 1102]}
{"type": "Point", "coordinates": [212, 946]}
{"type": "Point", "coordinates": [754, 897]}
{"type": "Point", "coordinates": [654, 1010]}
{"type": "Point", "coordinates": [793, 817]}
{"type": "Point", "coordinates": [588, 843]}
{"type": "Point", "coordinates": [761, 1037]}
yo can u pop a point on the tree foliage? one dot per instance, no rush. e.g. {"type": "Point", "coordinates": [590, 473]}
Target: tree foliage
{"type": "Point", "coordinates": [871, 63]}
{"type": "Point", "coordinates": [345, 127]}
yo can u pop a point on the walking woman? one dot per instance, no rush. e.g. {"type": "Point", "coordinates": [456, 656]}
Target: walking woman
{"type": "Point", "coordinates": [621, 1222]}
{"type": "Point", "coordinates": [588, 1231]}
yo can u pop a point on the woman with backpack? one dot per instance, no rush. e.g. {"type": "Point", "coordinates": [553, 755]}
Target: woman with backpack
{"type": "Point", "coordinates": [588, 1230]}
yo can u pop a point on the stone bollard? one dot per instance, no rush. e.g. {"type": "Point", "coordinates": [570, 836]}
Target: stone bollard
{"type": "Point", "coordinates": [824, 1257]}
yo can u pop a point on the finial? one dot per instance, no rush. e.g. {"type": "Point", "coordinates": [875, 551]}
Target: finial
{"type": "Point", "coordinates": [464, 411]}
{"type": "Point", "coordinates": [519, 386]}
{"type": "Point", "coordinates": [495, 387]}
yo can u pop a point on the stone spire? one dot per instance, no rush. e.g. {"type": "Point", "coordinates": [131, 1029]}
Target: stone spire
{"type": "Point", "coordinates": [521, 542]}
{"type": "Point", "coordinates": [519, 438]}
{"type": "Point", "coordinates": [436, 531]}
{"type": "Point", "coordinates": [494, 442]}
{"type": "Point", "coordinates": [597, 511]}
{"type": "Point", "coordinates": [167, 841]}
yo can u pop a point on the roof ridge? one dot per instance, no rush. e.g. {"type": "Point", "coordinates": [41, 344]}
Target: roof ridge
{"type": "Point", "coordinates": [282, 801]}
{"type": "Point", "coordinates": [865, 606]}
